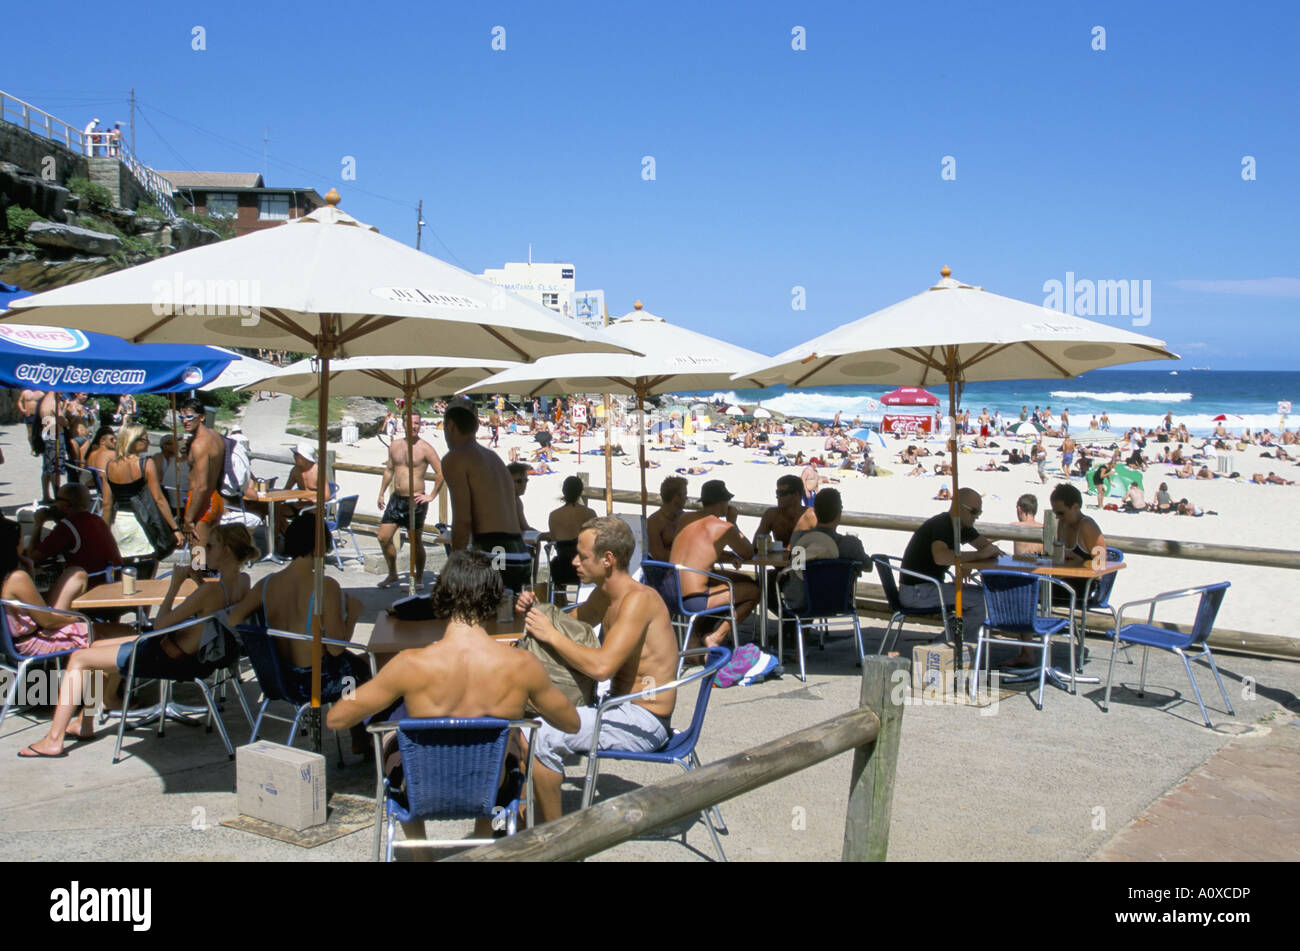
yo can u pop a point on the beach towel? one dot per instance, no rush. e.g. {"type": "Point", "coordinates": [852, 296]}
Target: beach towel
{"type": "Point", "coordinates": [748, 666]}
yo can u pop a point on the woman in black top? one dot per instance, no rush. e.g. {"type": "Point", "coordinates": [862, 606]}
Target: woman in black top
{"type": "Point", "coordinates": [134, 504]}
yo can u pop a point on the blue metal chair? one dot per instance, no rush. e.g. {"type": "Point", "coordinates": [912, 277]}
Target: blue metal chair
{"type": "Point", "coordinates": [279, 686]}
{"type": "Point", "coordinates": [130, 685]}
{"type": "Point", "coordinates": [1011, 605]}
{"type": "Point", "coordinates": [887, 566]}
{"type": "Point", "coordinates": [1099, 595]}
{"type": "Point", "coordinates": [18, 664]}
{"type": "Point", "coordinates": [1151, 635]}
{"type": "Point", "coordinates": [338, 519]}
{"type": "Point", "coordinates": [670, 589]}
{"type": "Point", "coordinates": [451, 770]}
{"type": "Point", "coordinates": [680, 749]}
{"type": "Point", "coordinates": [829, 592]}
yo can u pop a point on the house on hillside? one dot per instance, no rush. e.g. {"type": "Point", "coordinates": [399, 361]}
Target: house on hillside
{"type": "Point", "coordinates": [242, 197]}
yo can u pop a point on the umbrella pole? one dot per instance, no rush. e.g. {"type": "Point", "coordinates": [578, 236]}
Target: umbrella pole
{"type": "Point", "coordinates": [326, 350]}
{"type": "Point", "coordinates": [640, 442]}
{"type": "Point", "coordinates": [609, 459]}
{"type": "Point", "coordinates": [409, 390]}
{"type": "Point", "coordinates": [954, 451]}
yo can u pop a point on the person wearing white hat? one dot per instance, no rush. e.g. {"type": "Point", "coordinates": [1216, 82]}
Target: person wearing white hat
{"type": "Point", "coordinates": [303, 476]}
{"type": "Point", "coordinates": [90, 134]}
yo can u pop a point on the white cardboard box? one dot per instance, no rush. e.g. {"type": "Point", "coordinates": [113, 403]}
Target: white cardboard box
{"type": "Point", "coordinates": [281, 784]}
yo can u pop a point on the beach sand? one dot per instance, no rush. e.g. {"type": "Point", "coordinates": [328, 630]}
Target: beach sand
{"type": "Point", "coordinates": [1248, 514]}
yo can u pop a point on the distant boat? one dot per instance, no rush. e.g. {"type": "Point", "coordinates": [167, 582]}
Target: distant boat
{"type": "Point", "coordinates": [1173, 373]}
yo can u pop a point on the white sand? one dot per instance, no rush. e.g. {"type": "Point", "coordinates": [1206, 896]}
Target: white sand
{"type": "Point", "coordinates": [1250, 515]}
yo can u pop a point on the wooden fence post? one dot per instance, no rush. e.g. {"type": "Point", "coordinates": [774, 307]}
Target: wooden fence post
{"type": "Point", "coordinates": [871, 788]}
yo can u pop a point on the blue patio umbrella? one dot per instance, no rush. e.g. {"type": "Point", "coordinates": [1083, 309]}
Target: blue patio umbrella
{"type": "Point", "coordinates": [872, 438]}
{"type": "Point", "coordinates": [54, 358]}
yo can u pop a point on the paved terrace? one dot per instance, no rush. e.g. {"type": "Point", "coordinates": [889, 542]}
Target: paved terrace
{"type": "Point", "coordinates": [1146, 781]}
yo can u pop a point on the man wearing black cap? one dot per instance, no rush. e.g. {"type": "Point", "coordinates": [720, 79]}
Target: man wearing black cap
{"type": "Point", "coordinates": [701, 540]}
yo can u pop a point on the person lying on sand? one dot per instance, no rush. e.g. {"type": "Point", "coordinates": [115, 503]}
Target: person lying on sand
{"type": "Point", "coordinates": [1271, 479]}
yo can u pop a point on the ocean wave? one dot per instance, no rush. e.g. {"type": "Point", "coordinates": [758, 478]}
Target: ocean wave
{"type": "Point", "coordinates": [1121, 397]}
{"type": "Point", "coordinates": [809, 404]}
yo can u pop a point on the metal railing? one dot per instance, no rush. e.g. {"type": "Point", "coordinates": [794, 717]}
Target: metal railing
{"type": "Point", "coordinates": [18, 112]}
{"type": "Point", "coordinates": [96, 144]}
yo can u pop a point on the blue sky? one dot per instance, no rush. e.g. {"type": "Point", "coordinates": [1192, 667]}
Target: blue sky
{"type": "Point", "coordinates": [774, 168]}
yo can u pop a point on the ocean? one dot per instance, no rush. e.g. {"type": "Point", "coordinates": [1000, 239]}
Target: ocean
{"type": "Point", "coordinates": [1129, 397]}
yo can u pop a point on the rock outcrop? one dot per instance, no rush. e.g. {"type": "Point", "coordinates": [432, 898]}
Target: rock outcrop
{"type": "Point", "coordinates": [47, 234]}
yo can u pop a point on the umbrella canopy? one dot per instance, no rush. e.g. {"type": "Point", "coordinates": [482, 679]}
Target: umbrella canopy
{"type": "Point", "coordinates": [956, 333]}
{"type": "Point", "coordinates": [735, 411]}
{"type": "Point", "coordinates": [1027, 429]}
{"type": "Point", "coordinates": [241, 371]}
{"type": "Point", "coordinates": [909, 396]}
{"type": "Point", "coordinates": [962, 333]}
{"type": "Point", "coordinates": [57, 358]}
{"type": "Point", "coordinates": [324, 282]}
{"type": "Point", "coordinates": [674, 360]}
{"type": "Point", "coordinates": [761, 413]}
{"type": "Point", "coordinates": [872, 438]}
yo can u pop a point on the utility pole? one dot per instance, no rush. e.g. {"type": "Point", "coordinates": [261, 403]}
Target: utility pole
{"type": "Point", "coordinates": [419, 223]}
{"type": "Point", "coordinates": [133, 120]}
{"type": "Point", "coordinates": [266, 148]}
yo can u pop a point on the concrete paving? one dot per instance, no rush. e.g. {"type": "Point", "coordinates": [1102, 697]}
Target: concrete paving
{"type": "Point", "coordinates": [1006, 783]}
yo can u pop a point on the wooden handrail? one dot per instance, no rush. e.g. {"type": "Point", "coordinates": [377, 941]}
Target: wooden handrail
{"type": "Point", "coordinates": [872, 730]}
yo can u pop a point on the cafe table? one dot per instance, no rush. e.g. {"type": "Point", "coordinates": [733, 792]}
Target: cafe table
{"type": "Point", "coordinates": [391, 635]}
{"type": "Point", "coordinates": [148, 594]}
{"type": "Point", "coordinates": [1087, 571]}
{"type": "Point", "coordinates": [271, 500]}
{"type": "Point", "coordinates": [777, 559]}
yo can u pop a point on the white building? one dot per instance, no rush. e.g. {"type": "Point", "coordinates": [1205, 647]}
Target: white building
{"type": "Point", "coordinates": [550, 285]}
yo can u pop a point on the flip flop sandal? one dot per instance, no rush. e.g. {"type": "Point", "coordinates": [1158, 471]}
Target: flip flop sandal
{"type": "Point", "coordinates": [33, 753]}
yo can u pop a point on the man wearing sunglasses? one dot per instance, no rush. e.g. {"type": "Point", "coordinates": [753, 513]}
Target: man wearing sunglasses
{"type": "Point", "coordinates": [930, 553]}
{"type": "Point", "coordinates": [207, 461]}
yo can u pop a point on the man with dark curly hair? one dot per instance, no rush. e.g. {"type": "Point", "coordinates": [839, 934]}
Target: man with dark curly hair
{"type": "Point", "coordinates": [465, 673]}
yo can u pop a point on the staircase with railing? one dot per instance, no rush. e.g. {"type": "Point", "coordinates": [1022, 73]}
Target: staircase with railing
{"type": "Point", "coordinates": [94, 145]}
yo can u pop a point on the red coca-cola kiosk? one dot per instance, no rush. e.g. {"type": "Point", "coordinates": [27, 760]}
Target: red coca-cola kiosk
{"type": "Point", "coordinates": [899, 420]}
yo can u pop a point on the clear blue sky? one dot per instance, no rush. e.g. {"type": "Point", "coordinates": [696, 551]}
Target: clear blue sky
{"type": "Point", "coordinates": [774, 167]}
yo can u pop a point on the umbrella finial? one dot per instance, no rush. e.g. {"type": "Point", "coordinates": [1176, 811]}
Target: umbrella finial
{"type": "Point", "coordinates": [636, 305]}
{"type": "Point", "coordinates": [332, 197]}
{"type": "Point", "coordinates": [944, 271]}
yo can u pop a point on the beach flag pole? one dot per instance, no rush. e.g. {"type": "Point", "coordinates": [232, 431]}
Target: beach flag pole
{"type": "Point", "coordinates": [409, 392]}
{"type": "Point", "coordinates": [640, 440]}
{"type": "Point", "coordinates": [609, 449]}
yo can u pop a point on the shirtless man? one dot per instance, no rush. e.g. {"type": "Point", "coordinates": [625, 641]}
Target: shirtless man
{"type": "Point", "coordinates": [29, 402]}
{"type": "Point", "coordinates": [207, 461]}
{"type": "Point", "coordinates": [780, 520]}
{"type": "Point", "coordinates": [303, 476]}
{"type": "Point", "coordinates": [484, 510]}
{"type": "Point", "coordinates": [52, 435]}
{"type": "Point", "coordinates": [701, 540]}
{"type": "Point", "coordinates": [397, 511]}
{"type": "Point", "coordinates": [661, 526]}
{"type": "Point", "coordinates": [466, 673]}
{"type": "Point", "coordinates": [1026, 509]}
{"type": "Point", "coordinates": [638, 651]}
{"type": "Point", "coordinates": [519, 476]}
{"type": "Point", "coordinates": [1067, 455]}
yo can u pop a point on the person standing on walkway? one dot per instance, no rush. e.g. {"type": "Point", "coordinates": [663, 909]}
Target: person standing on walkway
{"type": "Point", "coordinates": [407, 461]}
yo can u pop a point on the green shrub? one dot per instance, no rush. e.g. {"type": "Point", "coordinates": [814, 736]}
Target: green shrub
{"type": "Point", "coordinates": [147, 209]}
{"type": "Point", "coordinates": [20, 218]}
{"type": "Point", "coordinates": [97, 197]}
{"type": "Point", "coordinates": [225, 227]}
{"type": "Point", "coordinates": [226, 398]}
{"type": "Point", "coordinates": [150, 410]}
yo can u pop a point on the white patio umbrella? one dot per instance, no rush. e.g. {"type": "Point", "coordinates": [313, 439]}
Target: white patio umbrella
{"type": "Point", "coordinates": [324, 282]}
{"type": "Point", "coordinates": [676, 360]}
{"type": "Point", "coordinates": [735, 410]}
{"type": "Point", "coordinates": [957, 333]}
{"type": "Point", "coordinates": [406, 377]}
{"type": "Point", "coordinates": [241, 372]}
{"type": "Point", "coordinates": [761, 413]}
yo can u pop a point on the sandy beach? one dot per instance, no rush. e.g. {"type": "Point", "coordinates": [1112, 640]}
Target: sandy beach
{"type": "Point", "coordinates": [1252, 515]}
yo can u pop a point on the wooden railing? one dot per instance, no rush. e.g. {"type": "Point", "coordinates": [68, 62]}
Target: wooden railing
{"type": "Point", "coordinates": [872, 731]}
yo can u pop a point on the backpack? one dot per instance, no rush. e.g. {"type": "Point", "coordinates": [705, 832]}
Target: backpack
{"type": "Point", "coordinates": [748, 666]}
{"type": "Point", "coordinates": [237, 471]}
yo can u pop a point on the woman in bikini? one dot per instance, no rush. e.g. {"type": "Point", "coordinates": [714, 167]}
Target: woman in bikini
{"type": "Point", "coordinates": [285, 602]}
{"type": "Point", "coordinates": [34, 631]}
{"type": "Point", "coordinates": [172, 656]}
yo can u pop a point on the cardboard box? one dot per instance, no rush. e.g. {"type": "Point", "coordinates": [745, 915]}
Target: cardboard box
{"type": "Point", "coordinates": [281, 784]}
{"type": "Point", "coordinates": [932, 669]}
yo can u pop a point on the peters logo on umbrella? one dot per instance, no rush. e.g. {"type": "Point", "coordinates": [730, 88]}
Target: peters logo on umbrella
{"type": "Point", "coordinates": [50, 339]}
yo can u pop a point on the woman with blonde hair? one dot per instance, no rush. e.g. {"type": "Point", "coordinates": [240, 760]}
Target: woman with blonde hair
{"type": "Point", "coordinates": [134, 505]}
{"type": "Point", "coordinates": [173, 656]}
